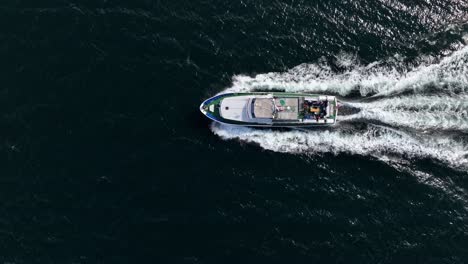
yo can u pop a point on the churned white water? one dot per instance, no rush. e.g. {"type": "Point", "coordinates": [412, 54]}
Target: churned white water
{"type": "Point", "coordinates": [412, 106]}
{"type": "Point", "coordinates": [377, 141]}
{"type": "Point", "coordinates": [438, 112]}
{"type": "Point", "coordinates": [381, 78]}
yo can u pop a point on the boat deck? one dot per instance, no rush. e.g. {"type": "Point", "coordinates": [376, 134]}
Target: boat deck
{"type": "Point", "coordinates": [271, 109]}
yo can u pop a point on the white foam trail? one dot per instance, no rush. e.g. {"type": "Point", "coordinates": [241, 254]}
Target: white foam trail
{"type": "Point", "coordinates": [446, 108]}
{"type": "Point", "coordinates": [379, 142]}
{"type": "Point", "coordinates": [382, 78]}
{"type": "Point", "coordinates": [440, 112]}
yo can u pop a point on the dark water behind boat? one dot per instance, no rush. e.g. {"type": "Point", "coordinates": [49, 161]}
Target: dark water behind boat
{"type": "Point", "coordinates": [106, 159]}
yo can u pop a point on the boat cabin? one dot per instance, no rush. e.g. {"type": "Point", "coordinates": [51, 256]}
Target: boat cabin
{"type": "Point", "coordinates": [281, 109]}
{"type": "Point", "coordinates": [270, 109]}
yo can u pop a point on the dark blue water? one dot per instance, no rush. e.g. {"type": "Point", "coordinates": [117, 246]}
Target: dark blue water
{"type": "Point", "coordinates": [105, 158]}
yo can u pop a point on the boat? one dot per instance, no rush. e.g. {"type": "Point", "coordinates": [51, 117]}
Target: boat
{"type": "Point", "coordinates": [271, 109]}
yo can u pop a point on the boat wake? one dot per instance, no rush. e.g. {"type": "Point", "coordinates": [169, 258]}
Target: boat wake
{"type": "Point", "coordinates": [381, 142]}
{"type": "Point", "coordinates": [381, 78]}
{"type": "Point", "coordinates": [433, 112]}
{"type": "Point", "coordinates": [404, 112]}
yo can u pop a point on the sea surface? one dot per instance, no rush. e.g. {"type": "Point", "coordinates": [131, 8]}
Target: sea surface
{"type": "Point", "coordinates": [105, 157]}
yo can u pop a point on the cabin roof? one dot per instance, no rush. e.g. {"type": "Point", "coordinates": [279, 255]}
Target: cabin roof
{"type": "Point", "coordinates": [263, 108]}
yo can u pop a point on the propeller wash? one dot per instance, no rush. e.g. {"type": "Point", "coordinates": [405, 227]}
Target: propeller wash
{"type": "Point", "coordinates": [404, 112]}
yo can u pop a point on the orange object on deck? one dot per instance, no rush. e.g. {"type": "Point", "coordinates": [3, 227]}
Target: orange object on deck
{"type": "Point", "coordinates": [314, 109]}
